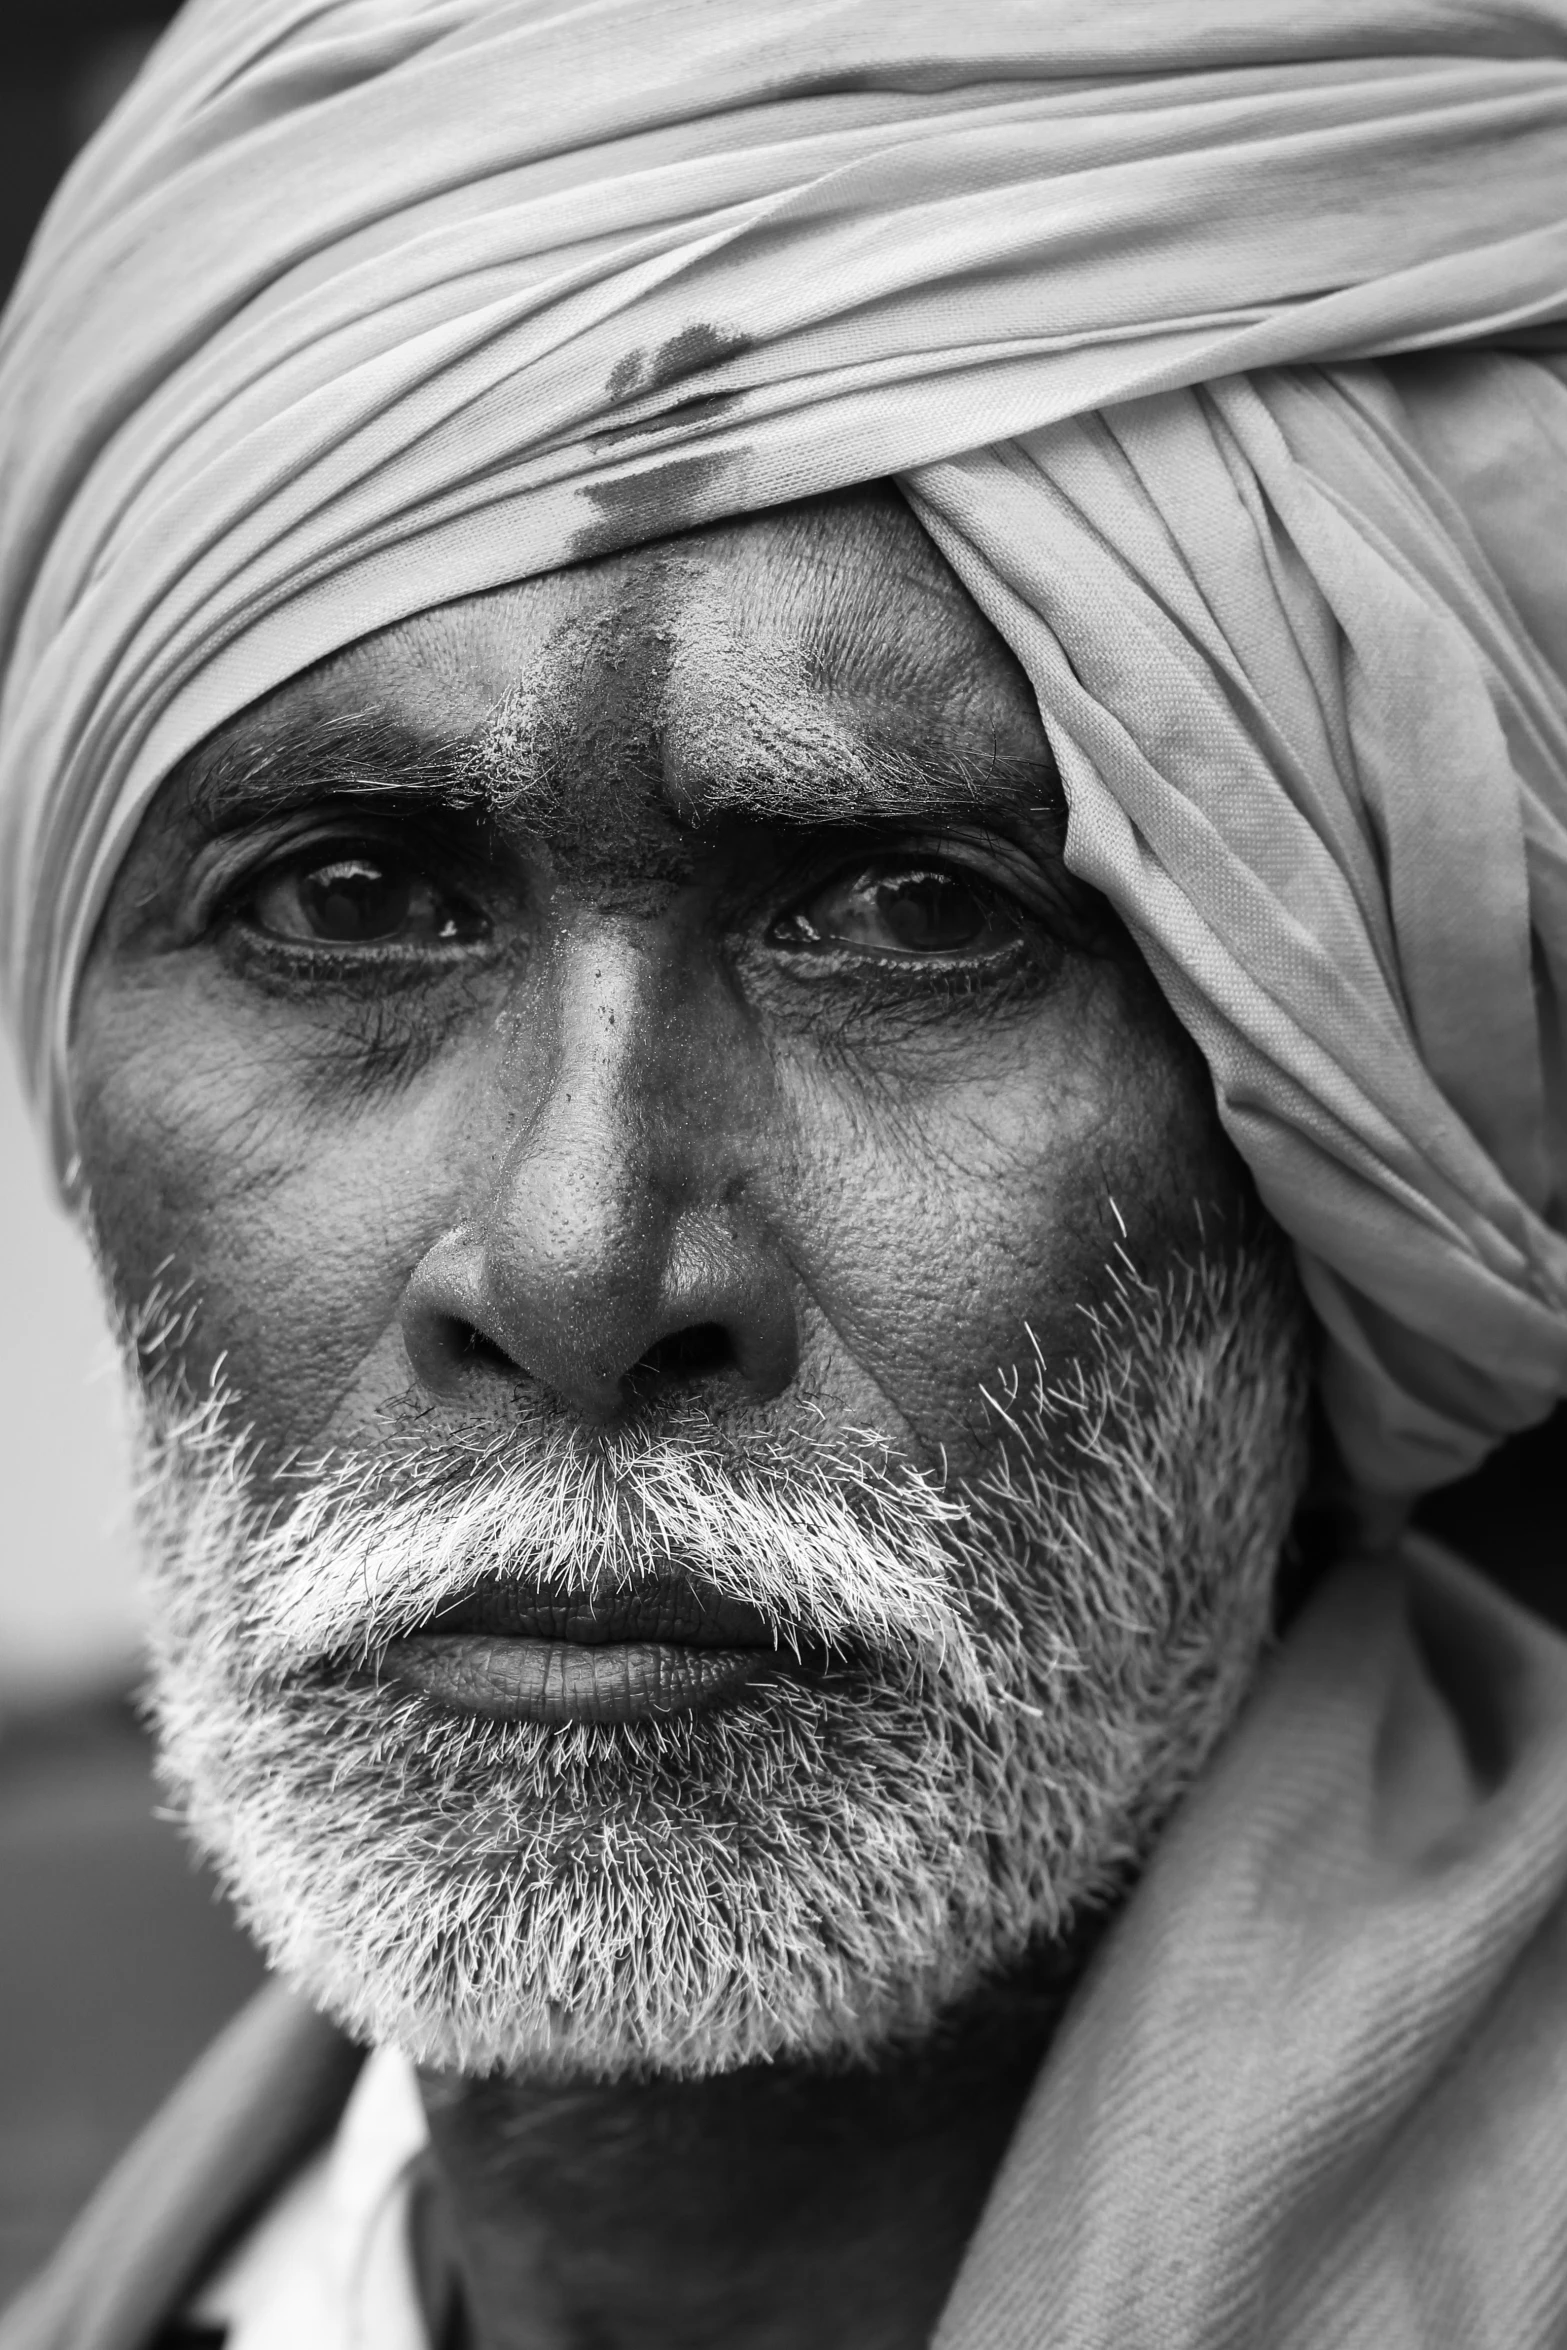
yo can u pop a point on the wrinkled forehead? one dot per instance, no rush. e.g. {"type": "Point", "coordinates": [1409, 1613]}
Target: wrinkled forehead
{"type": "Point", "coordinates": [819, 662]}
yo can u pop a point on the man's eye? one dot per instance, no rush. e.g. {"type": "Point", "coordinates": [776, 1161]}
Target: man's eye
{"type": "Point", "coordinates": [359, 900]}
{"type": "Point", "coordinates": [907, 910]}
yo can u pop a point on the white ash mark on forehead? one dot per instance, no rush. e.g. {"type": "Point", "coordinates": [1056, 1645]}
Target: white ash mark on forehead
{"type": "Point", "coordinates": [714, 711]}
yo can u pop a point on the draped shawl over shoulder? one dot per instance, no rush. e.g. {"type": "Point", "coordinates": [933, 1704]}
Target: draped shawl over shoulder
{"type": "Point", "coordinates": [1214, 343]}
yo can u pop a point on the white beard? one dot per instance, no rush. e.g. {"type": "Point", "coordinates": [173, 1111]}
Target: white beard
{"type": "Point", "coordinates": [1042, 1660]}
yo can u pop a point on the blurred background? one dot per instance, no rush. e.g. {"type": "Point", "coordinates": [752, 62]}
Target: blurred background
{"type": "Point", "coordinates": [116, 1963]}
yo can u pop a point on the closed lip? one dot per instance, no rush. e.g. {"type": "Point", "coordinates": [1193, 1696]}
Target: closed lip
{"type": "Point", "coordinates": [681, 1612]}
{"type": "Point", "coordinates": [561, 1681]}
{"type": "Point", "coordinates": [511, 1653]}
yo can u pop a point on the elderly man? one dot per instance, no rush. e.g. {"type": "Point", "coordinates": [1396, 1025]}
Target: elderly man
{"type": "Point", "coordinates": [786, 822]}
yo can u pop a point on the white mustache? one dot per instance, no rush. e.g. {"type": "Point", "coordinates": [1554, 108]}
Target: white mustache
{"type": "Point", "coordinates": [828, 1546]}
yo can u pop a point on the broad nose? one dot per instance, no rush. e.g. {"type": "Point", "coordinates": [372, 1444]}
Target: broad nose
{"type": "Point", "coordinates": [619, 1257]}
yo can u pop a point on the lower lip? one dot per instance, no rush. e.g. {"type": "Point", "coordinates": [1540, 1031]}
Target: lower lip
{"type": "Point", "coordinates": [521, 1680]}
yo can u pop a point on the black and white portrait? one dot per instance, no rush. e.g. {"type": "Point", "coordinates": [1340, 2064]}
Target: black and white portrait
{"type": "Point", "coordinates": [783, 882]}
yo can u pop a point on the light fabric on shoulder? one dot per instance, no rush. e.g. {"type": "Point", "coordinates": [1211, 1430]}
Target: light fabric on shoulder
{"type": "Point", "coordinates": [1314, 2092]}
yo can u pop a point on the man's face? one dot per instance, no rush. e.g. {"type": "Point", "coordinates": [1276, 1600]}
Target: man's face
{"type": "Point", "coordinates": [720, 1420]}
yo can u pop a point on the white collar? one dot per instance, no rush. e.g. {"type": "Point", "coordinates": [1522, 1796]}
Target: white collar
{"type": "Point", "coordinates": [328, 2265]}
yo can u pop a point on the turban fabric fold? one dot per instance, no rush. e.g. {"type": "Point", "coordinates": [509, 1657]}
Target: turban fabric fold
{"type": "Point", "coordinates": [1216, 346]}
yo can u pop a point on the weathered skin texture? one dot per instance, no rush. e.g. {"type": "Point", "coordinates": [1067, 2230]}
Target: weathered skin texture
{"type": "Point", "coordinates": [632, 1098]}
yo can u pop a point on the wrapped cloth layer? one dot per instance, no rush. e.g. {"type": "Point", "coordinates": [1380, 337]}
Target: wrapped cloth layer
{"type": "Point", "coordinates": [1216, 347]}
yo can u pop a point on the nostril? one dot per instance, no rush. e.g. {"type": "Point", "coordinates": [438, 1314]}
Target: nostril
{"type": "Point", "coordinates": [469, 1345]}
{"type": "Point", "coordinates": [685, 1355]}
{"type": "Point", "coordinates": [450, 1346]}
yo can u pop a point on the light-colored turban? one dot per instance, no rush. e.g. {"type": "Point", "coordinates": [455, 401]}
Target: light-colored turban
{"type": "Point", "coordinates": [360, 305]}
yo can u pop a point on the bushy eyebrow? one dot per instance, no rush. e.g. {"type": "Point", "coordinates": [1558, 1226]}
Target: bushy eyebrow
{"type": "Point", "coordinates": [252, 771]}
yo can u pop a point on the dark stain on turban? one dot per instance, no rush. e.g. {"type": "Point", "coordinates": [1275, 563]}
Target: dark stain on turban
{"type": "Point", "coordinates": [691, 352]}
{"type": "Point", "coordinates": [688, 353]}
{"type": "Point", "coordinates": [652, 504]}
{"type": "Point", "coordinates": [663, 498]}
